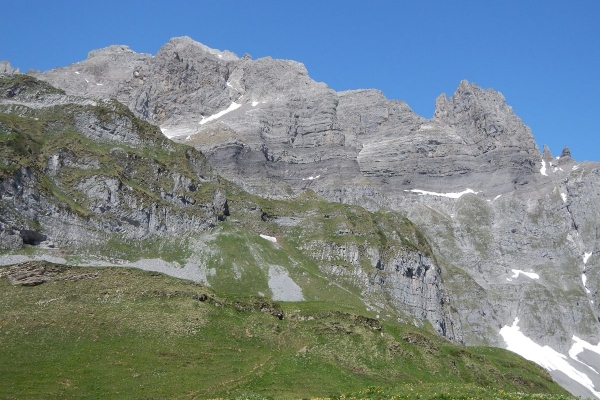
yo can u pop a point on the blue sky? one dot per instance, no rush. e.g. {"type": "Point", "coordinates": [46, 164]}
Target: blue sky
{"type": "Point", "coordinates": [544, 56]}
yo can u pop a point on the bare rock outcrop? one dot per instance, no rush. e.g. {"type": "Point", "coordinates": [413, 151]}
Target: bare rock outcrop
{"type": "Point", "coordinates": [32, 273]}
{"type": "Point", "coordinates": [7, 69]}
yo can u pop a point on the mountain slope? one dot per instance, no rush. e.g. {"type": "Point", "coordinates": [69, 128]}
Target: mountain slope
{"type": "Point", "coordinates": [115, 332]}
{"type": "Point", "coordinates": [511, 233]}
{"type": "Point", "coordinates": [92, 181]}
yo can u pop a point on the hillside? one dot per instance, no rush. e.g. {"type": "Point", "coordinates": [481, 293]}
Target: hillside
{"type": "Point", "coordinates": [120, 332]}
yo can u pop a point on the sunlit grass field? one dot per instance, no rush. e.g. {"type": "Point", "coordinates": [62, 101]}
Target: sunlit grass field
{"type": "Point", "coordinates": [123, 333]}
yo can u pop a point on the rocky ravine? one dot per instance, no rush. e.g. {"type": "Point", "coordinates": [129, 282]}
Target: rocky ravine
{"type": "Point", "coordinates": [514, 231]}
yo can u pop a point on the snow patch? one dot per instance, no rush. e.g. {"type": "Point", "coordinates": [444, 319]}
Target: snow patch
{"type": "Point", "coordinates": [531, 275]}
{"type": "Point", "coordinates": [310, 178]}
{"type": "Point", "coordinates": [575, 168]}
{"type": "Point", "coordinates": [232, 106]}
{"type": "Point", "coordinates": [584, 280]}
{"type": "Point", "coordinates": [172, 132]}
{"type": "Point", "coordinates": [564, 197]}
{"type": "Point", "coordinates": [449, 195]}
{"type": "Point", "coordinates": [578, 348]}
{"type": "Point", "coordinates": [543, 169]}
{"type": "Point", "coordinates": [545, 356]}
{"type": "Point", "coordinates": [269, 238]}
{"type": "Point", "coordinates": [586, 257]}
{"type": "Point", "coordinates": [77, 72]}
{"type": "Point", "coordinates": [254, 103]}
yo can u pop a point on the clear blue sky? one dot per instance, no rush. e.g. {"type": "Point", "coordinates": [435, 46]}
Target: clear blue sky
{"type": "Point", "coordinates": [544, 56]}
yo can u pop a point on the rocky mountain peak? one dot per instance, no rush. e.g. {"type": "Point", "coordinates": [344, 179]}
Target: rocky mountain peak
{"type": "Point", "coordinates": [482, 118]}
{"type": "Point", "coordinates": [565, 157]}
{"type": "Point", "coordinates": [546, 155]}
{"type": "Point", "coordinates": [466, 96]}
{"type": "Point", "coordinates": [110, 51]}
{"type": "Point", "coordinates": [187, 44]}
{"type": "Point", "coordinates": [469, 99]}
{"type": "Point", "coordinates": [7, 69]}
{"type": "Point", "coordinates": [441, 107]}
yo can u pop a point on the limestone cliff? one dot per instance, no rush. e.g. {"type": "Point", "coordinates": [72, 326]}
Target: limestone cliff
{"type": "Point", "coordinates": [512, 233]}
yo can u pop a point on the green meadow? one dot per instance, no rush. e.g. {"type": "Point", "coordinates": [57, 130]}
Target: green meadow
{"type": "Point", "coordinates": [125, 333]}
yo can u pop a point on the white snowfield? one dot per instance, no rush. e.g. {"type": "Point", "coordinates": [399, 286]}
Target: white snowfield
{"type": "Point", "coordinates": [549, 358]}
{"type": "Point", "coordinates": [563, 197]}
{"type": "Point", "coordinates": [584, 280]}
{"type": "Point", "coordinates": [269, 238]}
{"type": "Point", "coordinates": [449, 195]}
{"type": "Point", "coordinates": [233, 106]}
{"type": "Point", "coordinates": [531, 275]}
{"type": "Point", "coordinates": [543, 169]}
{"type": "Point", "coordinates": [579, 346]}
{"type": "Point", "coordinates": [174, 131]}
{"type": "Point", "coordinates": [586, 257]}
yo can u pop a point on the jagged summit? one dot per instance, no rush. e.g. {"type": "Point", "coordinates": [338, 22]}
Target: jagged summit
{"type": "Point", "coordinates": [185, 43]}
{"type": "Point", "coordinates": [277, 122]}
{"type": "Point", "coordinates": [546, 155]}
{"type": "Point", "coordinates": [484, 117]}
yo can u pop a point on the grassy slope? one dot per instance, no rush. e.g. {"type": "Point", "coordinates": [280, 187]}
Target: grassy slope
{"type": "Point", "coordinates": [129, 333]}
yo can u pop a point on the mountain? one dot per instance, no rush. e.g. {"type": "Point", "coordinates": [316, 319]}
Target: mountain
{"type": "Point", "coordinates": [458, 221]}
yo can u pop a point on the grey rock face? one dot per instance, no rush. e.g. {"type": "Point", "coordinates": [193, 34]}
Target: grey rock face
{"type": "Point", "coordinates": [182, 76]}
{"type": "Point", "coordinates": [79, 194]}
{"type": "Point", "coordinates": [264, 122]}
{"type": "Point", "coordinates": [411, 279]}
{"type": "Point", "coordinates": [482, 246]}
{"type": "Point", "coordinates": [7, 69]}
{"type": "Point", "coordinates": [101, 75]}
{"type": "Point", "coordinates": [472, 136]}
